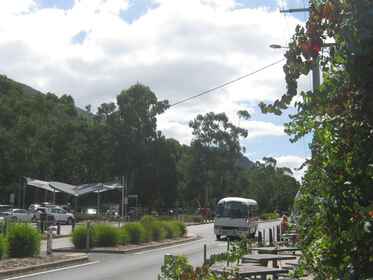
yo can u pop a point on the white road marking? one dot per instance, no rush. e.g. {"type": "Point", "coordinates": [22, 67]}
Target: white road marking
{"type": "Point", "coordinates": [168, 247]}
{"type": "Point", "coordinates": [52, 270]}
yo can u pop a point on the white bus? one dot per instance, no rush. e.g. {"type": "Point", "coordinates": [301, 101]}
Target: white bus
{"type": "Point", "coordinates": [236, 217]}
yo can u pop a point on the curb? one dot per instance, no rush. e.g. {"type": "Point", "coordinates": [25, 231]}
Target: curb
{"type": "Point", "coordinates": [132, 250]}
{"type": "Point", "coordinates": [60, 263]}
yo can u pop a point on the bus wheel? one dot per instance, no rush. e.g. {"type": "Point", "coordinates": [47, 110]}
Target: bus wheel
{"type": "Point", "coordinates": [218, 237]}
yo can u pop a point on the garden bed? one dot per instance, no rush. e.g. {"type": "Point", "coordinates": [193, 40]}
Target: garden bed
{"type": "Point", "coordinates": [131, 248]}
{"type": "Point", "coordinates": [22, 265]}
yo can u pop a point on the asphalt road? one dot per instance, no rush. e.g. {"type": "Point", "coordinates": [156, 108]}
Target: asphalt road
{"type": "Point", "coordinates": [142, 265]}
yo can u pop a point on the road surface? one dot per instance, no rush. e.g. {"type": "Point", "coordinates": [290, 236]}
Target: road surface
{"type": "Point", "coordinates": [142, 265]}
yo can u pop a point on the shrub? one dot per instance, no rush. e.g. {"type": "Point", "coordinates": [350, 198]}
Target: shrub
{"type": "Point", "coordinates": [23, 241]}
{"type": "Point", "coordinates": [106, 235]}
{"type": "Point", "coordinates": [2, 246]}
{"type": "Point", "coordinates": [153, 228]}
{"type": "Point", "coordinates": [168, 229]}
{"type": "Point", "coordinates": [157, 231]}
{"type": "Point", "coordinates": [269, 216]}
{"type": "Point", "coordinates": [124, 237]}
{"type": "Point", "coordinates": [181, 227]}
{"type": "Point", "coordinates": [79, 237]}
{"type": "Point", "coordinates": [135, 233]}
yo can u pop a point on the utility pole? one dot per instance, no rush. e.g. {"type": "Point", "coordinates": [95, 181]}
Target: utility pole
{"type": "Point", "coordinates": [316, 65]}
{"type": "Point", "coordinates": [126, 200]}
{"type": "Point", "coordinates": [122, 206]}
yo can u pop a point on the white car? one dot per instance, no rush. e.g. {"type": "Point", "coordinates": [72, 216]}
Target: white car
{"type": "Point", "coordinates": [61, 215]}
{"type": "Point", "coordinates": [20, 215]}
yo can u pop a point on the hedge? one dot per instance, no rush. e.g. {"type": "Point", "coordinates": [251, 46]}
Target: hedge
{"type": "Point", "coordinates": [3, 245]}
{"type": "Point", "coordinates": [132, 233]}
{"type": "Point", "coordinates": [106, 235]}
{"type": "Point", "coordinates": [79, 236]}
{"type": "Point", "coordinates": [23, 241]}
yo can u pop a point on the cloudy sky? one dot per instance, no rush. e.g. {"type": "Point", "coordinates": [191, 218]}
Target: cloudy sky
{"type": "Point", "coordinates": [92, 49]}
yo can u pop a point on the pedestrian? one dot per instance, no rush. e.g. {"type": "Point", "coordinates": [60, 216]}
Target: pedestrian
{"type": "Point", "coordinates": [284, 223]}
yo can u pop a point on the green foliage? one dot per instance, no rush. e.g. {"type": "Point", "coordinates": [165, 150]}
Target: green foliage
{"type": "Point", "coordinates": [174, 267]}
{"type": "Point", "coordinates": [106, 235]}
{"type": "Point", "coordinates": [336, 195]}
{"type": "Point", "coordinates": [182, 230]}
{"type": "Point", "coordinates": [124, 237]}
{"type": "Point", "coordinates": [3, 246]}
{"type": "Point", "coordinates": [173, 229]}
{"type": "Point", "coordinates": [133, 233]}
{"type": "Point", "coordinates": [23, 241]}
{"type": "Point", "coordinates": [153, 228]}
{"type": "Point", "coordinates": [270, 216]}
{"type": "Point", "coordinates": [79, 237]}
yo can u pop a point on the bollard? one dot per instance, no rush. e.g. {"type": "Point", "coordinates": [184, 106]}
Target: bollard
{"type": "Point", "coordinates": [228, 241]}
{"type": "Point", "coordinates": [49, 241]}
{"type": "Point", "coordinates": [264, 237]}
{"type": "Point", "coordinates": [274, 233]}
{"type": "Point", "coordinates": [270, 237]}
{"type": "Point", "coordinates": [278, 233]}
{"type": "Point", "coordinates": [73, 226]}
{"type": "Point", "coordinates": [87, 240]}
{"type": "Point", "coordinates": [58, 228]}
{"type": "Point", "coordinates": [204, 253]}
{"type": "Point", "coordinates": [260, 239]}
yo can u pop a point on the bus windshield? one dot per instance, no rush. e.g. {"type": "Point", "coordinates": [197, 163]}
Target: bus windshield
{"type": "Point", "coordinates": [232, 209]}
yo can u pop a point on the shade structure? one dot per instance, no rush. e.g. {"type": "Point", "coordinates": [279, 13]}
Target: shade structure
{"type": "Point", "coordinates": [66, 188]}
{"type": "Point", "coordinates": [74, 190]}
{"type": "Point", "coordinates": [39, 184]}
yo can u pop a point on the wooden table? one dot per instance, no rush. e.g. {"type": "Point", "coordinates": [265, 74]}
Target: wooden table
{"type": "Point", "coordinates": [248, 270]}
{"type": "Point", "coordinates": [274, 250]}
{"type": "Point", "coordinates": [263, 259]}
{"type": "Point", "coordinates": [290, 237]}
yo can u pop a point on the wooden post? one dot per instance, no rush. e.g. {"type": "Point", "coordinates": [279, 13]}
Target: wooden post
{"type": "Point", "coordinates": [260, 239]}
{"type": "Point", "coordinates": [278, 233]}
{"type": "Point", "coordinates": [49, 241]}
{"type": "Point", "coordinates": [270, 237]}
{"type": "Point", "coordinates": [204, 254]}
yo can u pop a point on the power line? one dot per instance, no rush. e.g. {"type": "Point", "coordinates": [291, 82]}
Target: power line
{"type": "Point", "coordinates": [226, 83]}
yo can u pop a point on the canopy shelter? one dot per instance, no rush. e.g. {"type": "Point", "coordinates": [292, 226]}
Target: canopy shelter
{"type": "Point", "coordinates": [73, 190]}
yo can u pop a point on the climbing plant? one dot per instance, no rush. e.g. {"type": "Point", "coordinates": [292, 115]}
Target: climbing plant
{"type": "Point", "coordinates": [336, 196]}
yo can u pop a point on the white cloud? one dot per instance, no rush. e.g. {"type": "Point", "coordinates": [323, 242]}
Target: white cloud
{"type": "Point", "coordinates": [259, 129]}
{"type": "Point", "coordinates": [293, 162]}
{"type": "Point", "coordinates": [178, 48]}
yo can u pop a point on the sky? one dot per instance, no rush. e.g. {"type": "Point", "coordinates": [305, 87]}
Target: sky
{"type": "Point", "coordinates": [93, 49]}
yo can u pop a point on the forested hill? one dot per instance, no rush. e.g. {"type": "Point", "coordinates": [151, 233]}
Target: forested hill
{"type": "Point", "coordinates": [8, 86]}
{"type": "Point", "coordinates": [44, 136]}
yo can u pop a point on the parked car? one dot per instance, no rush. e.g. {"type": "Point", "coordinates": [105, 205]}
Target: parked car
{"type": "Point", "coordinates": [5, 208]}
{"type": "Point", "coordinates": [61, 215]}
{"type": "Point", "coordinates": [21, 215]}
{"type": "Point", "coordinates": [42, 213]}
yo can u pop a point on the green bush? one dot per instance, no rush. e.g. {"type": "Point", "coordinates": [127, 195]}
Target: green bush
{"type": "Point", "coordinates": [270, 216]}
{"type": "Point", "coordinates": [157, 231]}
{"type": "Point", "coordinates": [124, 236]}
{"type": "Point", "coordinates": [79, 237]}
{"type": "Point", "coordinates": [169, 229]}
{"type": "Point", "coordinates": [153, 228]}
{"type": "Point", "coordinates": [106, 235]}
{"type": "Point", "coordinates": [23, 241]}
{"type": "Point", "coordinates": [182, 228]}
{"type": "Point", "coordinates": [133, 233]}
{"type": "Point", "coordinates": [2, 246]}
